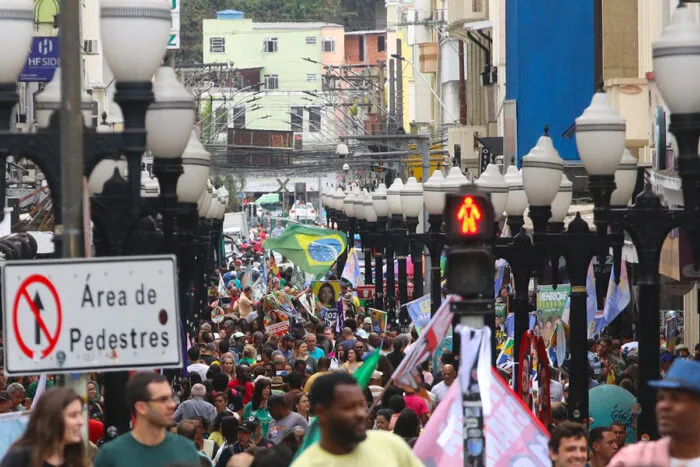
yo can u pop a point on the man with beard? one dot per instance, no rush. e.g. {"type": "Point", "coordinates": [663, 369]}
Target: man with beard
{"type": "Point", "coordinates": [341, 411]}
{"type": "Point", "coordinates": [150, 400]}
{"type": "Point", "coordinates": [678, 421]}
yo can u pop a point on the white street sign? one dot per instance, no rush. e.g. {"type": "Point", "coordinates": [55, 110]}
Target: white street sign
{"type": "Point", "coordinates": [99, 314]}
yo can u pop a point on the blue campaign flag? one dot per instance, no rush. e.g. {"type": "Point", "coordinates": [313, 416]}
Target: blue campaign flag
{"type": "Point", "coordinates": [419, 311]}
{"type": "Point", "coordinates": [44, 57]}
{"type": "Point", "coordinates": [510, 323]}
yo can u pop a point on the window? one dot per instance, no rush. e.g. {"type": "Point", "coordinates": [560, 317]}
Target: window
{"type": "Point", "coordinates": [381, 44]}
{"type": "Point", "coordinates": [270, 45]}
{"type": "Point", "coordinates": [314, 119]}
{"type": "Point", "coordinates": [271, 82]}
{"type": "Point", "coordinates": [310, 40]}
{"type": "Point", "coordinates": [239, 116]}
{"type": "Point", "coordinates": [296, 115]}
{"type": "Point", "coordinates": [361, 46]}
{"type": "Point", "coordinates": [217, 45]}
{"type": "Point", "coordinates": [328, 44]}
{"type": "Point", "coordinates": [311, 77]}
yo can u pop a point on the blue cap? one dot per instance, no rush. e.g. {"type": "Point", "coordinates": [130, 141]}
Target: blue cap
{"type": "Point", "coordinates": [683, 374]}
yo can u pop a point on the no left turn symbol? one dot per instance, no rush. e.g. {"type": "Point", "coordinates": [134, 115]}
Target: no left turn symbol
{"type": "Point", "coordinates": [37, 302]}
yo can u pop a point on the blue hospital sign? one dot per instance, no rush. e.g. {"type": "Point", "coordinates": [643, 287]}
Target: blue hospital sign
{"type": "Point", "coordinates": [42, 61]}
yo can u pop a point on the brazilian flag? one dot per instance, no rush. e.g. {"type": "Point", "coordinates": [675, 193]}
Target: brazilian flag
{"type": "Point", "coordinates": [313, 249]}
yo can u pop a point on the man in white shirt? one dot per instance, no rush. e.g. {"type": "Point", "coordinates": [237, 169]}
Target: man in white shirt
{"type": "Point", "coordinates": [196, 365]}
{"type": "Point", "coordinates": [449, 375]}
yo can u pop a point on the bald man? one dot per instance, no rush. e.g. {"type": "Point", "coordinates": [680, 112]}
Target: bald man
{"type": "Point", "coordinates": [449, 375]}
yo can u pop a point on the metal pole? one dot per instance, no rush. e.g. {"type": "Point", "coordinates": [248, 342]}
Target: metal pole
{"type": "Point", "coordinates": [379, 263]}
{"type": "Point", "coordinates": [649, 354]}
{"type": "Point", "coordinates": [399, 87]}
{"type": "Point", "coordinates": [70, 233]}
{"type": "Point", "coordinates": [424, 146]}
{"type": "Point", "coordinates": [392, 95]}
{"type": "Point", "coordinates": [462, 85]}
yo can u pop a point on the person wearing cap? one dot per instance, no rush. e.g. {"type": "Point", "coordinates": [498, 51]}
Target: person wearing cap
{"type": "Point", "coordinates": [683, 351]}
{"type": "Point", "coordinates": [284, 421]}
{"type": "Point", "coordinates": [678, 422]}
{"type": "Point", "coordinates": [245, 432]}
{"type": "Point", "coordinates": [367, 324]}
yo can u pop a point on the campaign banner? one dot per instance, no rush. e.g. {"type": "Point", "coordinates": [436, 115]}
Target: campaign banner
{"type": "Point", "coordinates": [378, 320]}
{"type": "Point", "coordinates": [512, 431]}
{"type": "Point", "coordinates": [513, 436]}
{"type": "Point", "coordinates": [419, 311]}
{"type": "Point", "coordinates": [426, 344]}
{"type": "Point", "coordinates": [330, 317]}
{"type": "Point", "coordinates": [278, 329]}
{"type": "Point", "coordinates": [552, 307]}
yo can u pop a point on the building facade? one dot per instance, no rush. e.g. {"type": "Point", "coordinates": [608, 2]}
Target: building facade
{"type": "Point", "coordinates": [290, 56]}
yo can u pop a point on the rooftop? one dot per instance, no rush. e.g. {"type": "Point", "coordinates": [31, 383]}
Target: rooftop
{"type": "Point", "coordinates": [301, 26]}
{"type": "Point", "coordinates": [364, 33]}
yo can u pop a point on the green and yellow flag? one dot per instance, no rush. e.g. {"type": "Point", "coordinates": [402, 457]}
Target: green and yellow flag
{"type": "Point", "coordinates": [313, 249]}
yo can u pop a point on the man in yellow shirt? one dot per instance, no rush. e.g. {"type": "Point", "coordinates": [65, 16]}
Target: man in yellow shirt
{"type": "Point", "coordinates": [341, 410]}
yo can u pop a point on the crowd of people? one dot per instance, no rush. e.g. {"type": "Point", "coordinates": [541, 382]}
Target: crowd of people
{"type": "Point", "coordinates": [251, 393]}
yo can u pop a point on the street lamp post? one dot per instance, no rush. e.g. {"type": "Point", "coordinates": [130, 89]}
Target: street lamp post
{"type": "Point", "coordinates": [412, 206]}
{"type": "Point", "coordinates": [191, 186]}
{"type": "Point", "coordinates": [371, 223]}
{"type": "Point", "coordinates": [434, 197]}
{"type": "Point", "coordinates": [398, 243]}
{"type": "Point", "coordinates": [381, 209]}
{"type": "Point", "coordinates": [363, 230]}
{"type": "Point", "coordinates": [65, 148]}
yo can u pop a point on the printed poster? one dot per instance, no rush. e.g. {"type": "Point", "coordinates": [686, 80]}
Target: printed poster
{"type": "Point", "coordinates": [552, 308]}
{"type": "Point", "coordinates": [378, 320]}
{"type": "Point", "coordinates": [327, 292]}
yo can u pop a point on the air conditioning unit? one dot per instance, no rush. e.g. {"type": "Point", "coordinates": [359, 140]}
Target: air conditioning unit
{"type": "Point", "coordinates": [90, 47]}
{"type": "Point", "coordinates": [460, 12]}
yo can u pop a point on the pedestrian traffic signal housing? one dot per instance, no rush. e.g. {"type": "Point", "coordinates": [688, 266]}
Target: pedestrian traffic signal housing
{"type": "Point", "coordinates": [469, 217]}
{"type": "Point", "coordinates": [470, 222]}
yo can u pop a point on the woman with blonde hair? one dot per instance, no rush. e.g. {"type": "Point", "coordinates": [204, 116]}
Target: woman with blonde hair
{"type": "Point", "coordinates": [228, 365]}
{"type": "Point", "coordinates": [53, 434]}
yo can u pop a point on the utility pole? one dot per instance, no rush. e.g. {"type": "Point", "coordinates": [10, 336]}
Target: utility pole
{"type": "Point", "coordinates": [462, 85]}
{"type": "Point", "coordinates": [392, 95]}
{"type": "Point", "coordinates": [381, 78]}
{"type": "Point", "coordinates": [399, 85]}
{"type": "Point", "coordinates": [70, 232]}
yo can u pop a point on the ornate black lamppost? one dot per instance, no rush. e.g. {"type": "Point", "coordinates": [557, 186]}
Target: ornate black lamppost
{"type": "Point", "coordinates": [382, 242]}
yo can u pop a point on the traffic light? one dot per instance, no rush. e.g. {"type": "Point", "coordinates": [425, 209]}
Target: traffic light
{"type": "Point", "coordinates": [470, 222]}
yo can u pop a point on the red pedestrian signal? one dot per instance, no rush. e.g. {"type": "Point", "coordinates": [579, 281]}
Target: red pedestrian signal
{"type": "Point", "coordinates": [469, 216]}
